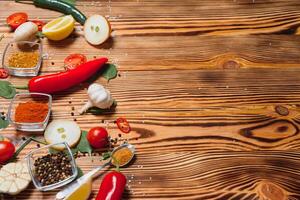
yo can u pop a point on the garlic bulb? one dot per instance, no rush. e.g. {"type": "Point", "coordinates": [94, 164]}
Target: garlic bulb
{"type": "Point", "coordinates": [26, 32]}
{"type": "Point", "coordinates": [14, 178]}
{"type": "Point", "coordinates": [98, 97]}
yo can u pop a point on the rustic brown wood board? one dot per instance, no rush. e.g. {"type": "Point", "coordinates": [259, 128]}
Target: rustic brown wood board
{"type": "Point", "coordinates": [211, 89]}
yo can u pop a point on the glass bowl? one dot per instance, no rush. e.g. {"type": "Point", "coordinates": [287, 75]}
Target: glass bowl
{"type": "Point", "coordinates": [13, 48]}
{"type": "Point", "coordinates": [23, 98]}
{"type": "Point", "coordinates": [43, 151]}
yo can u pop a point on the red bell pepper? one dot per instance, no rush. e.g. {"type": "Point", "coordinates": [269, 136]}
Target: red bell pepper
{"type": "Point", "coordinates": [64, 80]}
{"type": "Point", "coordinates": [112, 186]}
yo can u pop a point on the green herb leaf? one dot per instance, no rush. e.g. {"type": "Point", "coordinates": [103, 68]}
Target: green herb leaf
{"type": "Point", "coordinates": [7, 90]}
{"type": "Point", "coordinates": [80, 172]}
{"type": "Point", "coordinates": [83, 145]}
{"type": "Point", "coordinates": [106, 155]}
{"type": "Point", "coordinates": [97, 111]}
{"type": "Point", "coordinates": [3, 123]}
{"type": "Point", "coordinates": [40, 34]}
{"type": "Point", "coordinates": [110, 71]}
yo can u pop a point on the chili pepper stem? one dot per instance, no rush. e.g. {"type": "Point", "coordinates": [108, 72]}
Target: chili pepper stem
{"type": "Point", "coordinates": [20, 87]}
{"type": "Point", "coordinates": [24, 1]}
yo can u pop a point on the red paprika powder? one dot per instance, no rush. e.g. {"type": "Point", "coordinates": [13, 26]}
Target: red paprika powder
{"type": "Point", "coordinates": [31, 112]}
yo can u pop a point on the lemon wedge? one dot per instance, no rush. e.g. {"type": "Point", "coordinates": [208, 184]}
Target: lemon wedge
{"type": "Point", "coordinates": [82, 192]}
{"type": "Point", "coordinates": [59, 28]}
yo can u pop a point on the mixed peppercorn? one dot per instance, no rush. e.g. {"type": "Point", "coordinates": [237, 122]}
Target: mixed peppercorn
{"type": "Point", "coordinates": [52, 168]}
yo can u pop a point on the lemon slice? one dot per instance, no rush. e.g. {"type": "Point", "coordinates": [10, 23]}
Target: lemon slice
{"type": "Point", "coordinates": [59, 28]}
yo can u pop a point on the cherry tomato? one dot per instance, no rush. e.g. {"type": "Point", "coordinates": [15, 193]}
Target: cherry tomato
{"type": "Point", "coordinates": [7, 150]}
{"type": "Point", "coordinates": [3, 73]}
{"type": "Point", "coordinates": [112, 186]}
{"type": "Point", "coordinates": [97, 137]}
{"type": "Point", "coordinates": [123, 125]}
{"type": "Point", "coordinates": [39, 23]}
{"type": "Point", "coordinates": [16, 19]}
{"type": "Point", "coordinates": [74, 60]}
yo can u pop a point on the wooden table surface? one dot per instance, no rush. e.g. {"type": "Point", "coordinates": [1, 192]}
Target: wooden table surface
{"type": "Point", "coordinates": [211, 89]}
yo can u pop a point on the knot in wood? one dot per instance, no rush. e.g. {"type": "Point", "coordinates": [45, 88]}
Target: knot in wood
{"type": "Point", "coordinates": [281, 110]}
{"type": "Point", "coordinates": [231, 64]}
{"type": "Point", "coordinates": [270, 191]}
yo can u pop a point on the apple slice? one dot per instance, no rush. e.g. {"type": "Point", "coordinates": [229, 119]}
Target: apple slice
{"type": "Point", "coordinates": [62, 131]}
{"type": "Point", "coordinates": [96, 29]}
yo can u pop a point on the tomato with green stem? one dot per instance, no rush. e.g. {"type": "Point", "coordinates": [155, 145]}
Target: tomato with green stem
{"type": "Point", "coordinates": [16, 19]}
{"type": "Point", "coordinates": [7, 150]}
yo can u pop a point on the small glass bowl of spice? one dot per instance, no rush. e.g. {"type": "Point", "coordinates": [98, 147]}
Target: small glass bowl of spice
{"type": "Point", "coordinates": [30, 111]}
{"type": "Point", "coordinates": [22, 58]}
{"type": "Point", "coordinates": [51, 170]}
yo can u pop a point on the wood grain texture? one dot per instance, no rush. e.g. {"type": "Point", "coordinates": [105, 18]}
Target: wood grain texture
{"type": "Point", "coordinates": [211, 90]}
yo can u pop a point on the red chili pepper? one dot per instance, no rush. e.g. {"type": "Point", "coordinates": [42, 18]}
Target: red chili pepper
{"type": "Point", "coordinates": [3, 73]}
{"type": "Point", "coordinates": [112, 186]}
{"type": "Point", "coordinates": [64, 80]}
{"type": "Point", "coordinates": [123, 125]}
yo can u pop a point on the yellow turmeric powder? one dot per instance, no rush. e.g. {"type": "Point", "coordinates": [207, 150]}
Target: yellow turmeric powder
{"type": "Point", "coordinates": [23, 60]}
{"type": "Point", "coordinates": [122, 156]}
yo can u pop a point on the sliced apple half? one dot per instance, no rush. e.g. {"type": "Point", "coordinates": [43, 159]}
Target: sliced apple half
{"type": "Point", "coordinates": [62, 131]}
{"type": "Point", "coordinates": [97, 29]}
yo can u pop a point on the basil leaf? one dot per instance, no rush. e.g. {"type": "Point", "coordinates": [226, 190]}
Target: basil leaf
{"type": "Point", "coordinates": [7, 90]}
{"type": "Point", "coordinates": [54, 151]}
{"type": "Point", "coordinates": [106, 155]}
{"type": "Point", "coordinates": [80, 172]}
{"type": "Point", "coordinates": [83, 145]}
{"type": "Point", "coordinates": [3, 123]}
{"type": "Point", "coordinates": [96, 111]}
{"type": "Point", "coordinates": [110, 71]}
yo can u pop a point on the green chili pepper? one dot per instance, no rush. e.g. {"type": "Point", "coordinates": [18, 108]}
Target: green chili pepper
{"type": "Point", "coordinates": [60, 6]}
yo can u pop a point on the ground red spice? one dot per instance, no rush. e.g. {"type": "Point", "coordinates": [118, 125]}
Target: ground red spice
{"type": "Point", "coordinates": [31, 112]}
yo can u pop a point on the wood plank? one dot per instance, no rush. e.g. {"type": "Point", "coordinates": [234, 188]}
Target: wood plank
{"type": "Point", "coordinates": [181, 52]}
{"type": "Point", "coordinates": [146, 17]}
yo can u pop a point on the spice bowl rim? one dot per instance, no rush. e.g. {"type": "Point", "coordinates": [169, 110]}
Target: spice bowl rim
{"type": "Point", "coordinates": [10, 108]}
{"type": "Point", "coordinates": [35, 68]}
{"type": "Point", "coordinates": [60, 183]}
